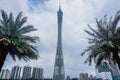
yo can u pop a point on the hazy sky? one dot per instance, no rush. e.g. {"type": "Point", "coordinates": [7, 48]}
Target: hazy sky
{"type": "Point", "coordinates": [76, 15]}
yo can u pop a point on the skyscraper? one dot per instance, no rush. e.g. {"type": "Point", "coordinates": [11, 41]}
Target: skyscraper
{"type": "Point", "coordinates": [59, 73]}
{"type": "Point", "coordinates": [104, 72]}
{"type": "Point", "coordinates": [7, 75]}
{"type": "Point", "coordinates": [37, 73]}
{"type": "Point", "coordinates": [15, 73]}
{"type": "Point", "coordinates": [2, 74]}
{"type": "Point", "coordinates": [92, 77]}
{"type": "Point", "coordinates": [26, 72]}
{"type": "Point", "coordinates": [84, 76]}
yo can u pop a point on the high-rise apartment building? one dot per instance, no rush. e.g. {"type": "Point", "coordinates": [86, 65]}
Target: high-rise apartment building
{"type": "Point", "coordinates": [91, 77]}
{"type": "Point", "coordinates": [7, 74]}
{"type": "Point", "coordinates": [15, 73]}
{"type": "Point", "coordinates": [84, 76]}
{"type": "Point", "coordinates": [68, 78]}
{"type": "Point", "coordinates": [107, 71]}
{"type": "Point", "coordinates": [2, 74]}
{"type": "Point", "coordinates": [26, 72]}
{"type": "Point", "coordinates": [37, 73]}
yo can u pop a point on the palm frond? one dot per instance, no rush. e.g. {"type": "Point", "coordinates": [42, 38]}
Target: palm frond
{"type": "Point", "coordinates": [18, 18]}
{"type": "Point", "coordinates": [26, 29]}
{"type": "Point", "coordinates": [30, 38]}
{"type": "Point", "coordinates": [4, 18]}
{"type": "Point", "coordinates": [104, 40]}
{"type": "Point", "coordinates": [13, 35]}
{"type": "Point", "coordinates": [116, 20]}
{"type": "Point", "coordinates": [21, 22]}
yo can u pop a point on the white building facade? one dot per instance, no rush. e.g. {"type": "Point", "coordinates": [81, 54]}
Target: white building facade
{"type": "Point", "coordinates": [15, 72]}
{"type": "Point", "coordinates": [26, 72]}
{"type": "Point", "coordinates": [37, 73]}
{"type": "Point", "coordinates": [5, 74]}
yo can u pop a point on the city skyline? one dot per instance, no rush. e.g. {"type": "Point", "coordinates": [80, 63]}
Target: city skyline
{"type": "Point", "coordinates": [26, 72]}
{"type": "Point", "coordinates": [77, 14]}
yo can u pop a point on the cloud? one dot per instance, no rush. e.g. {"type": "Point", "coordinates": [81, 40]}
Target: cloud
{"type": "Point", "coordinates": [76, 15]}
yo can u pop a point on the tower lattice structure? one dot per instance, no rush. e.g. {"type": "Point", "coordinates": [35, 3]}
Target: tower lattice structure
{"type": "Point", "coordinates": [59, 73]}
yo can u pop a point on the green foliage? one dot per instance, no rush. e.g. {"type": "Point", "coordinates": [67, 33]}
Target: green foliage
{"type": "Point", "coordinates": [74, 79]}
{"type": "Point", "coordinates": [14, 36]}
{"type": "Point", "coordinates": [103, 41]}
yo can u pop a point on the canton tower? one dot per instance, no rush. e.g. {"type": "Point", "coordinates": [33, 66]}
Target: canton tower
{"type": "Point", "coordinates": [59, 73]}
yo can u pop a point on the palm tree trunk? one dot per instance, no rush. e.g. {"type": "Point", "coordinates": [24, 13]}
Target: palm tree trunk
{"type": "Point", "coordinates": [116, 58]}
{"type": "Point", "coordinates": [3, 57]}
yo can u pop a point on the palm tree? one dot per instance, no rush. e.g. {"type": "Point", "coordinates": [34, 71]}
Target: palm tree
{"type": "Point", "coordinates": [14, 38]}
{"type": "Point", "coordinates": [104, 41]}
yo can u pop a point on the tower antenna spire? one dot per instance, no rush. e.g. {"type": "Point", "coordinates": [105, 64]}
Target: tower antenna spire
{"type": "Point", "coordinates": [59, 4]}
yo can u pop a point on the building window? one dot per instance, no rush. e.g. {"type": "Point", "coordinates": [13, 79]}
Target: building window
{"type": "Point", "coordinates": [56, 70]}
{"type": "Point", "coordinates": [62, 70]}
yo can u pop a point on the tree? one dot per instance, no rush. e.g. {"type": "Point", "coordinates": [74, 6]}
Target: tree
{"type": "Point", "coordinates": [74, 79]}
{"type": "Point", "coordinates": [104, 41]}
{"type": "Point", "coordinates": [14, 38]}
